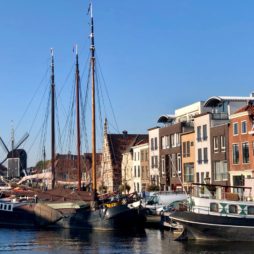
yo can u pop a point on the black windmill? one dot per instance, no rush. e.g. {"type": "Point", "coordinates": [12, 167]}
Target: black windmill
{"type": "Point", "coordinates": [16, 158]}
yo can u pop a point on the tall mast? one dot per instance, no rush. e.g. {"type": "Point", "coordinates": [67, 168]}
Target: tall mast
{"type": "Point", "coordinates": [92, 48]}
{"type": "Point", "coordinates": [78, 120]}
{"type": "Point", "coordinates": [52, 119]}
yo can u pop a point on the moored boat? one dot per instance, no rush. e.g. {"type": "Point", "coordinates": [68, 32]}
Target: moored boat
{"type": "Point", "coordinates": [215, 213]}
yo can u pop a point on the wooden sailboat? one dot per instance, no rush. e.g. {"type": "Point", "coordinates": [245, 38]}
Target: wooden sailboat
{"type": "Point", "coordinates": [94, 212]}
{"type": "Point", "coordinates": [79, 209]}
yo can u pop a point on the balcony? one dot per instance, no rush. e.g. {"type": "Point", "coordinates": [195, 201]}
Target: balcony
{"type": "Point", "coordinates": [219, 116]}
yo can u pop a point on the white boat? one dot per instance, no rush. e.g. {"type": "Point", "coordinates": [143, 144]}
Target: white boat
{"type": "Point", "coordinates": [218, 212]}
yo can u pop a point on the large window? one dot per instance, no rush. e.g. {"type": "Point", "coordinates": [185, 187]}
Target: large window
{"type": "Point", "coordinates": [188, 172]}
{"type": "Point", "coordinates": [152, 144]}
{"type": "Point", "coordinates": [199, 133]}
{"type": "Point", "coordinates": [235, 153]}
{"type": "Point", "coordinates": [223, 143]}
{"type": "Point", "coordinates": [199, 156]}
{"type": "Point", "coordinates": [215, 144]}
{"type": "Point", "coordinates": [245, 152]}
{"type": "Point", "coordinates": [172, 140]}
{"type": "Point", "coordinates": [235, 128]}
{"type": "Point", "coordinates": [205, 155]}
{"type": "Point", "coordinates": [244, 127]}
{"type": "Point", "coordinates": [179, 163]}
{"type": "Point", "coordinates": [220, 171]}
{"type": "Point", "coordinates": [163, 166]}
{"type": "Point", "coordinates": [155, 144]}
{"type": "Point", "coordinates": [186, 149]}
{"type": "Point", "coordinates": [205, 132]}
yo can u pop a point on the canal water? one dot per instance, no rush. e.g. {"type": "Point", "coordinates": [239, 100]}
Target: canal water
{"type": "Point", "coordinates": [76, 241]}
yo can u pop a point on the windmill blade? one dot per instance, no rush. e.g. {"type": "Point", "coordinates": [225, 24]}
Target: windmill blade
{"type": "Point", "coordinates": [1, 163]}
{"type": "Point", "coordinates": [22, 140]}
{"type": "Point", "coordinates": [4, 146]}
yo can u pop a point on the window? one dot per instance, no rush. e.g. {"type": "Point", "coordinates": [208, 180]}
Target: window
{"type": "Point", "coordinates": [137, 187]}
{"type": "Point", "coordinates": [223, 143]}
{"type": "Point", "coordinates": [163, 165]}
{"type": "Point", "coordinates": [184, 150]}
{"type": "Point", "coordinates": [235, 129]}
{"type": "Point", "coordinates": [235, 153]}
{"type": "Point", "coordinates": [197, 176]}
{"type": "Point", "coordinates": [156, 161]}
{"type": "Point", "coordinates": [177, 139]}
{"type": "Point", "coordinates": [199, 133]}
{"type": "Point", "coordinates": [188, 172]}
{"type": "Point", "coordinates": [172, 140]}
{"type": "Point", "coordinates": [135, 172]}
{"type": "Point", "coordinates": [152, 144]}
{"type": "Point", "coordinates": [215, 144]}
{"type": "Point", "coordinates": [251, 210]}
{"type": "Point", "coordinates": [138, 171]}
{"type": "Point", "coordinates": [155, 144]}
{"type": "Point", "coordinates": [220, 171]}
{"type": "Point", "coordinates": [244, 127]}
{"type": "Point", "coordinates": [205, 132]}
{"type": "Point", "coordinates": [205, 155]}
{"type": "Point", "coordinates": [179, 162]}
{"type": "Point", "coordinates": [232, 209]}
{"type": "Point", "coordinates": [202, 177]}
{"type": "Point", "coordinates": [199, 156]}
{"type": "Point", "coordinates": [245, 152]}
{"type": "Point", "coordinates": [188, 149]}
{"type": "Point", "coordinates": [214, 207]}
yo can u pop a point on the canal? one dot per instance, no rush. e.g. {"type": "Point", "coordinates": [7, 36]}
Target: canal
{"type": "Point", "coordinates": [76, 241]}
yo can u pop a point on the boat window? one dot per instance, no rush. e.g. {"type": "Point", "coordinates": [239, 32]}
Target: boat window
{"type": "Point", "coordinates": [4, 207]}
{"type": "Point", "coordinates": [1, 206]}
{"type": "Point", "coordinates": [232, 208]}
{"type": "Point", "coordinates": [251, 210]}
{"type": "Point", "coordinates": [214, 207]}
{"type": "Point", "coordinates": [9, 207]}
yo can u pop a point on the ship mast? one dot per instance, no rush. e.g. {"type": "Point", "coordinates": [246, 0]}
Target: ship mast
{"type": "Point", "coordinates": [78, 120]}
{"type": "Point", "coordinates": [92, 48]}
{"type": "Point", "coordinates": [52, 119]}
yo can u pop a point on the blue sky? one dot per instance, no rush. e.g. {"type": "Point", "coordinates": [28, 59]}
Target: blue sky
{"type": "Point", "coordinates": [155, 56]}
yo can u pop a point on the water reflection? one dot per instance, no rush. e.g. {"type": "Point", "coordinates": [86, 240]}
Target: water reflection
{"type": "Point", "coordinates": [77, 241]}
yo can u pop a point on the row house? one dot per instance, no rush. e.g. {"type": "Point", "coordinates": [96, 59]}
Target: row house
{"type": "Point", "coordinates": [188, 158]}
{"type": "Point", "coordinates": [154, 156]}
{"type": "Point", "coordinates": [211, 143]}
{"type": "Point", "coordinates": [114, 146]}
{"type": "Point", "coordinates": [171, 168]}
{"type": "Point", "coordinates": [135, 167]}
{"type": "Point", "coordinates": [170, 154]}
{"type": "Point", "coordinates": [241, 147]}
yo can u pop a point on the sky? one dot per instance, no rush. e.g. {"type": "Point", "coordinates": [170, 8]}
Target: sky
{"type": "Point", "coordinates": [155, 56]}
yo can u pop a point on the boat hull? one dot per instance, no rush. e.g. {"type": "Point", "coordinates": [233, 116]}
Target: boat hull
{"type": "Point", "coordinates": [120, 217]}
{"type": "Point", "coordinates": [212, 227]}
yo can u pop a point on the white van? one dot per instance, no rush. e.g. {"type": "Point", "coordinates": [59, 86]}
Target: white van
{"type": "Point", "coordinates": [154, 204]}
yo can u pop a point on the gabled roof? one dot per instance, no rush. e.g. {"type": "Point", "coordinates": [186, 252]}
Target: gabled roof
{"type": "Point", "coordinates": [120, 143]}
{"type": "Point", "coordinates": [215, 100]}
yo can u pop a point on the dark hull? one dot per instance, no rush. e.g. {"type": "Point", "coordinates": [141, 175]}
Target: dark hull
{"type": "Point", "coordinates": [120, 217]}
{"type": "Point", "coordinates": [40, 215]}
{"type": "Point", "coordinates": [211, 227]}
{"type": "Point", "coordinates": [29, 215]}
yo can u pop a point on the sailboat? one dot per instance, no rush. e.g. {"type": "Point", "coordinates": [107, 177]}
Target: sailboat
{"type": "Point", "coordinates": [65, 208]}
{"type": "Point", "coordinates": [110, 212]}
